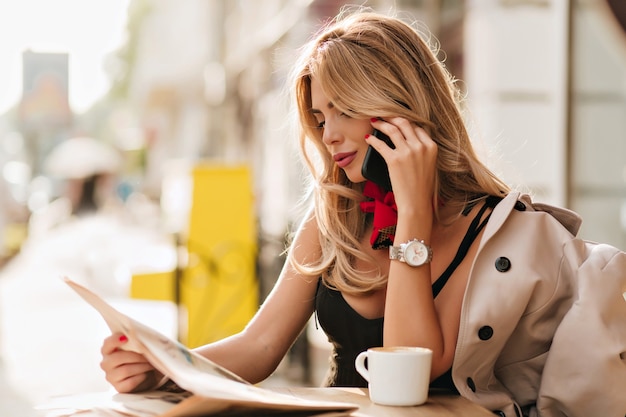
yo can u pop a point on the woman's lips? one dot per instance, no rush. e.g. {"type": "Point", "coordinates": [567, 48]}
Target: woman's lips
{"type": "Point", "coordinates": [344, 159]}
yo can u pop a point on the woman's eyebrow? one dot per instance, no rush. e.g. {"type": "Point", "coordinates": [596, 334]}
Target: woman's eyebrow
{"type": "Point", "coordinates": [329, 105]}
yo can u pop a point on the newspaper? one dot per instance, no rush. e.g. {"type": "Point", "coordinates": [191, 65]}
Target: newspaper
{"type": "Point", "coordinates": [209, 388]}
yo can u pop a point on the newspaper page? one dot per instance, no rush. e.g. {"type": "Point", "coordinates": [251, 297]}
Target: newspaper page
{"type": "Point", "coordinates": [211, 388]}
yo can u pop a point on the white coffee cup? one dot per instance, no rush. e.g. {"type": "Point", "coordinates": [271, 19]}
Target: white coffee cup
{"type": "Point", "coordinates": [396, 375]}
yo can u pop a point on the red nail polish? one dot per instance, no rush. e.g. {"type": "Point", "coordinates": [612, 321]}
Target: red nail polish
{"type": "Point", "coordinates": [374, 119]}
{"type": "Point", "coordinates": [123, 338]}
{"type": "Point", "coordinates": [367, 136]}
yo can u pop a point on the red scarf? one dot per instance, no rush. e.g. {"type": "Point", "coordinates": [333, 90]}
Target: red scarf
{"type": "Point", "coordinates": [383, 205]}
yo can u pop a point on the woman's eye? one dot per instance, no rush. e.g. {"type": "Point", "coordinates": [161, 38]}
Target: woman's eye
{"type": "Point", "coordinates": [321, 124]}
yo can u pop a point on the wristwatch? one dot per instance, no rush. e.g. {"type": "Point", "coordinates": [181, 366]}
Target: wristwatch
{"type": "Point", "coordinates": [413, 253]}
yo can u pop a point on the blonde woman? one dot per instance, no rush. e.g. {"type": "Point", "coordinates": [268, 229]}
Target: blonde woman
{"type": "Point", "coordinates": [446, 256]}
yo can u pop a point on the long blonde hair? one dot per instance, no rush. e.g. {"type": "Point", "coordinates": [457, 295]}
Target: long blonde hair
{"type": "Point", "coordinates": [370, 65]}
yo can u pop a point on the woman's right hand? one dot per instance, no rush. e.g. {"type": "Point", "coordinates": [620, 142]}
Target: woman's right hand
{"type": "Point", "coordinates": [126, 371]}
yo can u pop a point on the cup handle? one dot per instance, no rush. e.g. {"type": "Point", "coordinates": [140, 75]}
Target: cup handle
{"type": "Point", "coordinates": [359, 364]}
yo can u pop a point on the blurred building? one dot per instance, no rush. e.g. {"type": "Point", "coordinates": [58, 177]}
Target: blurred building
{"type": "Point", "coordinates": [41, 119]}
{"type": "Point", "coordinates": [547, 88]}
{"type": "Point", "coordinates": [544, 82]}
{"type": "Point", "coordinates": [45, 116]}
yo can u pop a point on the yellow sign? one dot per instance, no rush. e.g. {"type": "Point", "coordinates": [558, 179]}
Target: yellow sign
{"type": "Point", "coordinates": [218, 287]}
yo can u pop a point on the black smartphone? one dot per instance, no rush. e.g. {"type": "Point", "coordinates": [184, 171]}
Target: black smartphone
{"type": "Point", "coordinates": [374, 166]}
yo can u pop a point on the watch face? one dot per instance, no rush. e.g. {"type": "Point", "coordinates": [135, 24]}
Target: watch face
{"type": "Point", "coordinates": [415, 253]}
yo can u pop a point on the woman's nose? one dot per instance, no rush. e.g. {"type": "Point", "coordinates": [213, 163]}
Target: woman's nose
{"type": "Point", "coordinates": [331, 135]}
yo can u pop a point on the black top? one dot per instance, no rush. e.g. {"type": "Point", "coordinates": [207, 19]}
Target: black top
{"type": "Point", "coordinates": [350, 333]}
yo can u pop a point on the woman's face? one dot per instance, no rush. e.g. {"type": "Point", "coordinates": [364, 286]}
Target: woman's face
{"type": "Point", "coordinates": [343, 136]}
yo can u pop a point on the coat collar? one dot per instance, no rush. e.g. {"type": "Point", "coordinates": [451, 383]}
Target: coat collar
{"type": "Point", "coordinates": [514, 200]}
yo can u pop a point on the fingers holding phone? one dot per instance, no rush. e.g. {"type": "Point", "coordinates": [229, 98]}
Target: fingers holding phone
{"type": "Point", "coordinates": [414, 156]}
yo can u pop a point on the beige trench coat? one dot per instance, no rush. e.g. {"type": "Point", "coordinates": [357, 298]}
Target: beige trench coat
{"type": "Point", "coordinates": [543, 322]}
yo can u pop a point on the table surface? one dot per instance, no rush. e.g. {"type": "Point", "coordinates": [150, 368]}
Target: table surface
{"type": "Point", "coordinates": [438, 404]}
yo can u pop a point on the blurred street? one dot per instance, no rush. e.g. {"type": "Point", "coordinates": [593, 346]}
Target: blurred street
{"type": "Point", "coordinates": [49, 337]}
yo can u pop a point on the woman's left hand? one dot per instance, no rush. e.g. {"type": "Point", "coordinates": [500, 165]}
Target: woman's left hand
{"type": "Point", "coordinates": [412, 164]}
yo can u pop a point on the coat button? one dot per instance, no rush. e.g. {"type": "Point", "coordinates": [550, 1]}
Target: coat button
{"type": "Point", "coordinates": [485, 333]}
{"type": "Point", "coordinates": [471, 385]}
{"type": "Point", "coordinates": [519, 206]}
{"type": "Point", "coordinates": [503, 264]}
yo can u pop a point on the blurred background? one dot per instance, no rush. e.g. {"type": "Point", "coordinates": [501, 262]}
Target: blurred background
{"type": "Point", "coordinates": [146, 151]}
